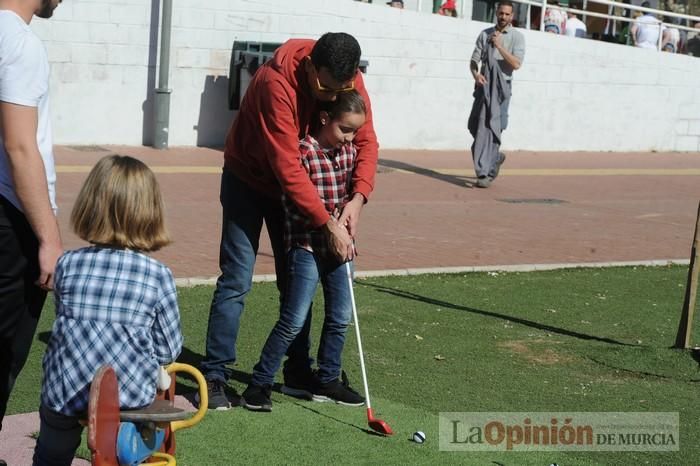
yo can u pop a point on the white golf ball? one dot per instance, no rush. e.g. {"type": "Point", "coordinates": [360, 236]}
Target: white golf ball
{"type": "Point", "coordinates": [419, 437]}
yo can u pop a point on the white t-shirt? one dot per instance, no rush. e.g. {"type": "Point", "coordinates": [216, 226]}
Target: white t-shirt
{"type": "Point", "coordinates": [648, 32]}
{"type": "Point", "coordinates": [24, 80]}
{"type": "Point", "coordinates": [574, 24]}
{"type": "Point", "coordinates": [671, 36]}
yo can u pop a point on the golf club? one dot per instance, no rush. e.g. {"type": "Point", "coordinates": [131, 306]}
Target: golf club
{"type": "Point", "coordinates": [375, 424]}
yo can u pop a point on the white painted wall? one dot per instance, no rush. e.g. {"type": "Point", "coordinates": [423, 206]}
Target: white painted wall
{"type": "Point", "coordinates": [571, 94]}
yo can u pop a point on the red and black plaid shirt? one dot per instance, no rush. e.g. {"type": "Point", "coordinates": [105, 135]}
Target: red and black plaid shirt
{"type": "Point", "coordinates": [330, 171]}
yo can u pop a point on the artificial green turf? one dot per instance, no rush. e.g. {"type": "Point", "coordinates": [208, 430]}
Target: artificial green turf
{"type": "Point", "coordinates": [567, 340]}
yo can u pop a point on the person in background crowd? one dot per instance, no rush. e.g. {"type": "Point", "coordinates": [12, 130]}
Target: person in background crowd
{"type": "Point", "coordinates": [449, 8]}
{"type": "Point", "coordinates": [554, 19]}
{"type": "Point", "coordinates": [693, 45]}
{"type": "Point", "coordinates": [574, 26]}
{"type": "Point", "coordinates": [670, 37]}
{"type": "Point", "coordinates": [645, 31]}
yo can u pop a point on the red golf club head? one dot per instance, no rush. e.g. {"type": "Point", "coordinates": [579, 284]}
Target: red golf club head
{"type": "Point", "coordinates": [378, 425]}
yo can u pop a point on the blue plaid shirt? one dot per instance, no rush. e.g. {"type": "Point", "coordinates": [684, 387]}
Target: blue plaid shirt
{"type": "Point", "coordinates": [116, 307]}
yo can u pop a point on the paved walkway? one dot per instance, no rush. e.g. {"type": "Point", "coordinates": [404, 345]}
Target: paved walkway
{"type": "Point", "coordinates": [546, 208]}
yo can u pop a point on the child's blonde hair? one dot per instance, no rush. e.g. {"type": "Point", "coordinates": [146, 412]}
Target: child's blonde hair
{"type": "Point", "coordinates": [120, 205]}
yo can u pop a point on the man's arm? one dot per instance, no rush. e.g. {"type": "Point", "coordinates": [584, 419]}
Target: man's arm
{"type": "Point", "coordinates": [365, 165]}
{"type": "Point", "coordinates": [476, 59]}
{"type": "Point", "coordinates": [282, 151]}
{"type": "Point", "coordinates": [18, 124]}
{"type": "Point", "coordinates": [497, 41]}
{"type": "Point", "coordinates": [479, 78]}
{"type": "Point", "coordinates": [633, 32]}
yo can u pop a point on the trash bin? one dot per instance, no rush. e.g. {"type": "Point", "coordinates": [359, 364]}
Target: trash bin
{"type": "Point", "coordinates": [246, 58]}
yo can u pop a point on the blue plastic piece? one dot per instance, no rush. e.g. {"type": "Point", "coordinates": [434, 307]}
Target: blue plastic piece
{"type": "Point", "coordinates": [136, 443]}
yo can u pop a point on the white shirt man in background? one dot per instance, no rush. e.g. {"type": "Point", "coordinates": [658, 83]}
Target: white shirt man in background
{"type": "Point", "coordinates": [30, 243]}
{"type": "Point", "coordinates": [574, 26]}
{"type": "Point", "coordinates": [646, 30]}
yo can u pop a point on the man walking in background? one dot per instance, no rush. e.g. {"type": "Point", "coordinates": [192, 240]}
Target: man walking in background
{"type": "Point", "coordinates": [29, 239]}
{"type": "Point", "coordinates": [500, 50]}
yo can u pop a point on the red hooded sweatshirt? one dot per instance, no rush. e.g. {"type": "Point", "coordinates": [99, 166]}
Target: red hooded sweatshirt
{"type": "Point", "coordinates": [262, 146]}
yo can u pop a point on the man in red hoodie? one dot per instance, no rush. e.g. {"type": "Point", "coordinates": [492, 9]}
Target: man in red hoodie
{"type": "Point", "coordinates": [261, 161]}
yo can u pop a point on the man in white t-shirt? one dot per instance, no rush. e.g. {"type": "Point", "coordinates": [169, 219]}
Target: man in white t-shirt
{"type": "Point", "coordinates": [670, 37]}
{"type": "Point", "coordinates": [30, 242]}
{"type": "Point", "coordinates": [646, 30]}
{"type": "Point", "coordinates": [574, 26]}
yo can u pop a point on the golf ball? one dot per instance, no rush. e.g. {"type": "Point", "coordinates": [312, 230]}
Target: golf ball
{"type": "Point", "coordinates": [419, 437]}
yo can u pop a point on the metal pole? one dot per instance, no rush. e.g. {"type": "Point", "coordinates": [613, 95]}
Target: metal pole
{"type": "Point", "coordinates": [527, 21]}
{"type": "Point", "coordinates": [544, 11]}
{"type": "Point", "coordinates": [162, 97]}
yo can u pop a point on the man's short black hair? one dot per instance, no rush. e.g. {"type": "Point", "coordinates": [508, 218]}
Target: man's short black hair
{"type": "Point", "coordinates": [339, 53]}
{"type": "Point", "coordinates": [646, 5]}
{"type": "Point", "coordinates": [505, 3]}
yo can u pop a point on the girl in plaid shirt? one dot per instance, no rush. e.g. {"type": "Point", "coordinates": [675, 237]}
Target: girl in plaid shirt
{"type": "Point", "coordinates": [114, 305]}
{"type": "Point", "coordinates": [328, 157]}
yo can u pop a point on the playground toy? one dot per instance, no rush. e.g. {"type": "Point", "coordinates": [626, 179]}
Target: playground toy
{"type": "Point", "coordinates": [130, 437]}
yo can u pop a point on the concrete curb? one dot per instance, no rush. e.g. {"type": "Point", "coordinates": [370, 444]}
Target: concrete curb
{"type": "Point", "coordinates": [196, 281]}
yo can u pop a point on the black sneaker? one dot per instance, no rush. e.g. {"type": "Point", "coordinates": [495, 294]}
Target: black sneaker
{"type": "Point", "coordinates": [216, 389]}
{"type": "Point", "coordinates": [338, 391]}
{"type": "Point", "coordinates": [299, 384]}
{"type": "Point", "coordinates": [256, 398]}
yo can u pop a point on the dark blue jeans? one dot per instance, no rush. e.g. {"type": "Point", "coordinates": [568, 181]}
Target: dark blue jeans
{"type": "Point", "coordinates": [304, 271]}
{"type": "Point", "coordinates": [244, 211]}
{"type": "Point", "coordinates": [20, 300]}
{"type": "Point", "coordinates": [59, 438]}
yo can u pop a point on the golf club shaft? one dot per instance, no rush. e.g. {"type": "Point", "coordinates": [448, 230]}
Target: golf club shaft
{"type": "Point", "coordinates": [357, 334]}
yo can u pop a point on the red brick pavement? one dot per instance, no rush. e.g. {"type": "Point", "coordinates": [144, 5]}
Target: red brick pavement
{"type": "Point", "coordinates": [420, 218]}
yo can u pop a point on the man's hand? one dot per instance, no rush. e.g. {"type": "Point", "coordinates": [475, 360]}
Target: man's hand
{"type": "Point", "coordinates": [480, 79]}
{"type": "Point", "coordinates": [49, 252]}
{"type": "Point", "coordinates": [18, 128]}
{"type": "Point", "coordinates": [351, 214]}
{"type": "Point", "coordinates": [339, 240]}
{"type": "Point", "coordinates": [496, 39]}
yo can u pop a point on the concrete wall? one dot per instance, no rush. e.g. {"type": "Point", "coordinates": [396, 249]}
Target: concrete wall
{"type": "Point", "coordinates": [571, 94]}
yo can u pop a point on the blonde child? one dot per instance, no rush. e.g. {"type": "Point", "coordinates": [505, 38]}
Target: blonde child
{"type": "Point", "coordinates": [114, 305]}
{"type": "Point", "coordinates": [328, 156]}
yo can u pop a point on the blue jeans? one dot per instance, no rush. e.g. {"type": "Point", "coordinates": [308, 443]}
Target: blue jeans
{"type": "Point", "coordinates": [304, 270]}
{"type": "Point", "coordinates": [244, 211]}
{"type": "Point", "coordinates": [59, 438]}
{"type": "Point", "coordinates": [21, 300]}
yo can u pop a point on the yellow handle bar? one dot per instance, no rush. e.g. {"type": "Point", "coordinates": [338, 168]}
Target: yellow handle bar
{"type": "Point", "coordinates": [166, 460]}
{"type": "Point", "coordinates": [203, 395]}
